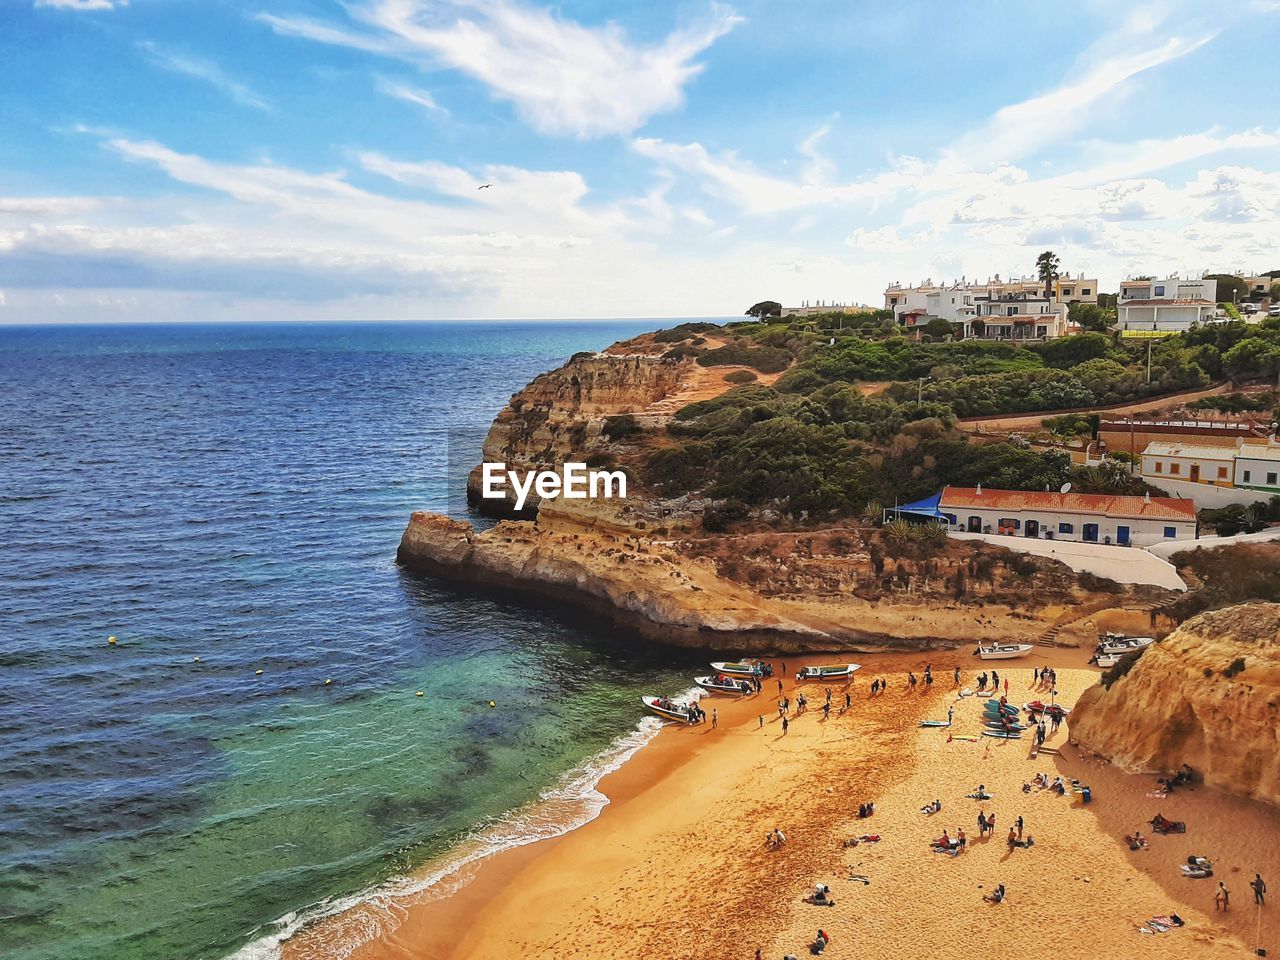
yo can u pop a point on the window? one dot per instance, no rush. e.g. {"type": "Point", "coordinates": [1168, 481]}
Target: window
{"type": "Point", "coordinates": [1170, 533]}
{"type": "Point", "coordinates": [1084, 291]}
{"type": "Point", "coordinates": [1159, 467]}
{"type": "Point", "coordinates": [1175, 468]}
{"type": "Point", "coordinates": [1010, 523]}
{"type": "Point", "coordinates": [1011, 311]}
{"type": "Point", "coordinates": [1066, 528]}
{"type": "Point", "coordinates": [1246, 476]}
{"type": "Point", "coordinates": [1271, 479]}
{"type": "Point", "coordinates": [1159, 292]}
{"type": "Point", "coordinates": [1222, 473]}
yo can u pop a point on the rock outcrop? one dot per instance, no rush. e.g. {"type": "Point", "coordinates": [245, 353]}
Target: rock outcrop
{"type": "Point", "coordinates": [561, 415]}
{"type": "Point", "coordinates": [640, 586]}
{"type": "Point", "coordinates": [1207, 695]}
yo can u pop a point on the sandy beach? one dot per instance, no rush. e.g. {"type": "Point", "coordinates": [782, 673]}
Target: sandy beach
{"type": "Point", "coordinates": [676, 866]}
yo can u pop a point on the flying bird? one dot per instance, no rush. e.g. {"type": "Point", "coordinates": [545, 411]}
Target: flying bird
{"type": "Point", "coordinates": [484, 186]}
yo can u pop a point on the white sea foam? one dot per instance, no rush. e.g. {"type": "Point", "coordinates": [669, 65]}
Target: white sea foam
{"type": "Point", "coordinates": [571, 802]}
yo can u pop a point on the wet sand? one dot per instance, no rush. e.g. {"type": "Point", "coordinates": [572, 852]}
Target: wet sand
{"type": "Point", "coordinates": [675, 865]}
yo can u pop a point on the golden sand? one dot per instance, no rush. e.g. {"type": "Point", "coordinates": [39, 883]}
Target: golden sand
{"type": "Point", "coordinates": [676, 866]}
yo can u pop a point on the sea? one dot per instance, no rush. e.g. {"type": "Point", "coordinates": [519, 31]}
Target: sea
{"type": "Point", "coordinates": [252, 751]}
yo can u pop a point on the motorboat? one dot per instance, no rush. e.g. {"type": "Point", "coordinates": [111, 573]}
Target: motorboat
{"type": "Point", "coordinates": [1118, 644]}
{"type": "Point", "coordinates": [1105, 660]}
{"type": "Point", "coordinates": [724, 684]}
{"type": "Point", "coordinates": [742, 668]}
{"type": "Point", "coordinates": [833, 671]}
{"type": "Point", "coordinates": [1003, 651]}
{"type": "Point", "coordinates": [669, 709]}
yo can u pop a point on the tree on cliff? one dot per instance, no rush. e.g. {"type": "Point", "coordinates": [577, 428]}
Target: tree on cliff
{"type": "Point", "coordinates": [765, 308]}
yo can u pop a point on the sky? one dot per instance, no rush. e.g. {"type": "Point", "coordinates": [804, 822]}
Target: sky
{"type": "Point", "coordinates": [416, 159]}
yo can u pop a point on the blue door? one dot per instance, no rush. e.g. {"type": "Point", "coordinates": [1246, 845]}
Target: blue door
{"type": "Point", "coordinates": [1091, 533]}
{"type": "Point", "coordinates": [1122, 536]}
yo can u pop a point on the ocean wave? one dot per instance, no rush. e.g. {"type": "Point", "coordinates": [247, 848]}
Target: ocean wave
{"type": "Point", "coordinates": [572, 802]}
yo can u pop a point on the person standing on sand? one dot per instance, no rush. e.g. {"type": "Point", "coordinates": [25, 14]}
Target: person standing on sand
{"type": "Point", "coordinates": [955, 679]}
{"type": "Point", "coordinates": [715, 718]}
{"type": "Point", "coordinates": [1259, 889]}
{"type": "Point", "coordinates": [785, 724]}
{"type": "Point", "coordinates": [779, 688]}
{"type": "Point", "coordinates": [1019, 826]}
{"type": "Point", "coordinates": [1221, 899]}
{"type": "Point", "coordinates": [848, 700]}
{"type": "Point", "coordinates": [761, 727]}
{"type": "Point", "coordinates": [1006, 686]}
{"type": "Point", "coordinates": [1035, 676]}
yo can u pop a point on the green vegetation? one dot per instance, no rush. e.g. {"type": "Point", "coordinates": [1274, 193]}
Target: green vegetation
{"type": "Point", "coordinates": [1235, 518]}
{"type": "Point", "coordinates": [765, 308]}
{"type": "Point", "coordinates": [739, 377]}
{"type": "Point", "coordinates": [821, 442]}
{"type": "Point", "coordinates": [1228, 575]}
{"type": "Point", "coordinates": [1236, 402]}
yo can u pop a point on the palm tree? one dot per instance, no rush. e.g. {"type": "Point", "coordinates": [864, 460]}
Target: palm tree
{"type": "Point", "coordinates": [1047, 268]}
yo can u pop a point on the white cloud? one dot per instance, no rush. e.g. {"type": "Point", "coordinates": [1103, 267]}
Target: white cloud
{"type": "Point", "coordinates": [563, 78]}
{"type": "Point", "coordinates": [204, 70]}
{"type": "Point", "coordinates": [409, 94]}
{"type": "Point", "coordinates": [83, 4]}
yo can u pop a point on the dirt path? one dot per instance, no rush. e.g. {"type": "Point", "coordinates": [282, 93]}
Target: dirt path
{"type": "Point", "coordinates": [1025, 421]}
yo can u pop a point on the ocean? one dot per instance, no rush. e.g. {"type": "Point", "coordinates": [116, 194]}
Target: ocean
{"type": "Point", "coordinates": [226, 500]}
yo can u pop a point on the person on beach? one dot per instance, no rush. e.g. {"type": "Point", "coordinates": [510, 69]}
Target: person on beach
{"type": "Point", "coordinates": [848, 700]}
{"type": "Point", "coordinates": [715, 718]}
{"type": "Point", "coordinates": [1035, 676]}
{"type": "Point", "coordinates": [779, 688]}
{"type": "Point", "coordinates": [1259, 889]}
{"type": "Point", "coordinates": [911, 680]}
{"type": "Point", "coordinates": [996, 896]}
{"type": "Point", "coordinates": [1222, 898]}
{"type": "Point", "coordinates": [1019, 821]}
{"type": "Point", "coordinates": [761, 727]}
{"type": "Point", "coordinates": [955, 678]}
{"type": "Point", "coordinates": [826, 710]}
{"type": "Point", "coordinates": [995, 680]}
{"type": "Point", "coordinates": [785, 725]}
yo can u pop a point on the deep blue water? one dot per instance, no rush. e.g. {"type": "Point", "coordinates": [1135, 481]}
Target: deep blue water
{"type": "Point", "coordinates": [235, 493]}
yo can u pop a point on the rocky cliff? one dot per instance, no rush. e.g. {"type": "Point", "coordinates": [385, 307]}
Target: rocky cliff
{"type": "Point", "coordinates": [562, 414]}
{"type": "Point", "coordinates": [1207, 695]}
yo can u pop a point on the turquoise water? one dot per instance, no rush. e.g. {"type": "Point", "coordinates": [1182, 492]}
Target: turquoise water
{"type": "Point", "coordinates": [236, 493]}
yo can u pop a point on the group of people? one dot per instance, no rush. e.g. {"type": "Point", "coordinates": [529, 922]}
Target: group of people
{"type": "Point", "coordinates": [1044, 677]}
{"type": "Point", "coordinates": [993, 679]}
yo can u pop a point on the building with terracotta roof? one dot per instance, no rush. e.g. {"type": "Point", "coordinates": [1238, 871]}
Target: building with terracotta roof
{"type": "Point", "coordinates": [1083, 517]}
{"type": "Point", "coordinates": [1150, 307]}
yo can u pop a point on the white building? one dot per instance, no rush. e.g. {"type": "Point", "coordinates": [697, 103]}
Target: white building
{"type": "Point", "coordinates": [1189, 462]}
{"type": "Point", "coordinates": [1083, 517]}
{"type": "Point", "coordinates": [1258, 466]}
{"type": "Point", "coordinates": [1017, 316]}
{"type": "Point", "coordinates": [1149, 307]}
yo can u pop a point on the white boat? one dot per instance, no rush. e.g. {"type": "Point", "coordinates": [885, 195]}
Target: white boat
{"type": "Point", "coordinates": [1105, 660]}
{"type": "Point", "coordinates": [723, 684]}
{"type": "Point", "coordinates": [1112, 644]}
{"type": "Point", "coordinates": [743, 668]}
{"type": "Point", "coordinates": [831, 671]}
{"type": "Point", "coordinates": [1003, 651]}
{"type": "Point", "coordinates": [668, 709]}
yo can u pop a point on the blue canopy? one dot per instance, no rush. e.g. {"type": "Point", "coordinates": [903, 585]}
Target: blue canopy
{"type": "Point", "coordinates": [927, 508]}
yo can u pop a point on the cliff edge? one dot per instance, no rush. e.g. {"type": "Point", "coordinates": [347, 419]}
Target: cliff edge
{"type": "Point", "coordinates": [1207, 695]}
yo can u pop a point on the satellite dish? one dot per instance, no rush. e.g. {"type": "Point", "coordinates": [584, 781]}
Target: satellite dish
{"type": "Point", "coordinates": [1066, 487]}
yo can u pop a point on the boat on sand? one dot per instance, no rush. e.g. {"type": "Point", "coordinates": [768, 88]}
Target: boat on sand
{"type": "Point", "coordinates": [668, 709]}
{"type": "Point", "coordinates": [741, 668]}
{"type": "Point", "coordinates": [723, 684]}
{"type": "Point", "coordinates": [1114, 643]}
{"type": "Point", "coordinates": [832, 671]}
{"type": "Point", "coordinates": [1003, 651]}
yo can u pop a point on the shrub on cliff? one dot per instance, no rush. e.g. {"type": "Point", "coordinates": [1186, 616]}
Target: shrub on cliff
{"type": "Point", "coordinates": [719, 516]}
{"type": "Point", "coordinates": [620, 427]}
{"type": "Point", "coordinates": [685, 331]}
{"type": "Point", "coordinates": [764, 359]}
{"type": "Point", "coordinates": [739, 376]}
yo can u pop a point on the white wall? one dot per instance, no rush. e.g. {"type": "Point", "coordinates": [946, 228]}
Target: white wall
{"type": "Point", "coordinates": [1206, 495]}
{"type": "Point", "coordinates": [1141, 532]}
{"type": "Point", "coordinates": [1258, 472]}
{"type": "Point", "coordinates": [1166, 550]}
{"type": "Point", "coordinates": [1121, 564]}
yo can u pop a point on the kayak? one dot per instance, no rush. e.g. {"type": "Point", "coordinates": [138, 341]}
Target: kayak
{"type": "Point", "coordinates": [834, 671]}
{"type": "Point", "coordinates": [935, 723]}
{"type": "Point", "coordinates": [1001, 735]}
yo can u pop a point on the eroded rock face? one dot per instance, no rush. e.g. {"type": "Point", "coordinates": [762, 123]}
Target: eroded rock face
{"type": "Point", "coordinates": [639, 585]}
{"type": "Point", "coordinates": [1207, 695]}
{"type": "Point", "coordinates": [561, 414]}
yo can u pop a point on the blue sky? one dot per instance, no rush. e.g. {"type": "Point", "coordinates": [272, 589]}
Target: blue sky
{"type": "Point", "coordinates": [291, 159]}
